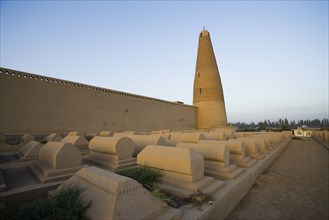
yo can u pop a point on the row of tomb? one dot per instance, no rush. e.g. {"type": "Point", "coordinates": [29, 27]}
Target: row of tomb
{"type": "Point", "coordinates": [322, 136]}
{"type": "Point", "coordinates": [190, 162]}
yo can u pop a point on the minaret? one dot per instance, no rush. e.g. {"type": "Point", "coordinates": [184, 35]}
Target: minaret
{"type": "Point", "coordinates": [208, 92]}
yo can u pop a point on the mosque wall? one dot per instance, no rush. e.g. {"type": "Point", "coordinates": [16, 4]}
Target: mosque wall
{"type": "Point", "coordinates": [38, 104]}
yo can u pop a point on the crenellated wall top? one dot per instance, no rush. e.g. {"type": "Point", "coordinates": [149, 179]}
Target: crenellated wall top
{"type": "Point", "coordinates": [46, 79]}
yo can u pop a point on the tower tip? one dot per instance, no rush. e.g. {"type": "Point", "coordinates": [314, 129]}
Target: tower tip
{"type": "Point", "coordinates": [204, 32]}
{"type": "Point", "coordinates": [204, 29]}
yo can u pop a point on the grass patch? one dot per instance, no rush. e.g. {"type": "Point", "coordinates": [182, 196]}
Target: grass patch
{"type": "Point", "coordinates": [64, 205]}
{"type": "Point", "coordinates": [147, 177]}
{"type": "Point", "coordinates": [161, 195]}
{"type": "Point", "coordinates": [144, 175]}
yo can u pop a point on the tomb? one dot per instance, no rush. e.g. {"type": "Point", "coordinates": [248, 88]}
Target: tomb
{"type": "Point", "coordinates": [141, 141]}
{"type": "Point", "coordinates": [216, 159]}
{"type": "Point", "coordinates": [130, 132]}
{"type": "Point", "coordinates": [321, 136]}
{"type": "Point", "coordinates": [111, 153]}
{"type": "Point", "coordinates": [272, 140]}
{"type": "Point", "coordinates": [228, 131]}
{"type": "Point", "coordinates": [326, 136]}
{"type": "Point", "coordinates": [52, 137]}
{"type": "Point", "coordinates": [164, 131]}
{"type": "Point", "coordinates": [261, 142]}
{"type": "Point", "coordinates": [78, 141]}
{"type": "Point", "coordinates": [90, 136]}
{"type": "Point", "coordinates": [166, 135]}
{"type": "Point", "coordinates": [26, 138]}
{"type": "Point", "coordinates": [170, 143]}
{"type": "Point", "coordinates": [242, 134]}
{"type": "Point", "coordinates": [30, 151]}
{"type": "Point", "coordinates": [215, 135]}
{"type": "Point", "coordinates": [75, 133]}
{"type": "Point", "coordinates": [57, 161]}
{"type": "Point", "coordinates": [106, 133]}
{"type": "Point", "coordinates": [187, 137]}
{"type": "Point", "coordinates": [237, 153]}
{"type": "Point", "coordinates": [182, 170]}
{"type": "Point", "coordinates": [117, 197]}
{"type": "Point", "coordinates": [251, 147]}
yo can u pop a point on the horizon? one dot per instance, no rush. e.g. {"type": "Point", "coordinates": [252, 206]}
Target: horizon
{"type": "Point", "coordinates": [272, 56]}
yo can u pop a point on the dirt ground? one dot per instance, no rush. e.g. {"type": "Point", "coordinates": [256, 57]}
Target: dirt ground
{"type": "Point", "coordinates": [295, 186]}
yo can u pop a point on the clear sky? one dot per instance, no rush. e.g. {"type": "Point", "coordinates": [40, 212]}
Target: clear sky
{"type": "Point", "coordinates": [272, 55]}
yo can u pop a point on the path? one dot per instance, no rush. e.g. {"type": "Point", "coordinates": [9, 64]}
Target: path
{"type": "Point", "coordinates": [295, 186]}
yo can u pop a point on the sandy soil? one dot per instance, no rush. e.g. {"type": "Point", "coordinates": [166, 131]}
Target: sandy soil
{"type": "Point", "coordinates": [295, 186]}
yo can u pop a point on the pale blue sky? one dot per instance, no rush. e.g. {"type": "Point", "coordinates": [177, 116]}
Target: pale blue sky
{"type": "Point", "coordinates": [272, 55]}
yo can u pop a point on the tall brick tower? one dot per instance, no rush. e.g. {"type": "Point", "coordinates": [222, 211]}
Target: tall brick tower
{"type": "Point", "coordinates": [207, 91]}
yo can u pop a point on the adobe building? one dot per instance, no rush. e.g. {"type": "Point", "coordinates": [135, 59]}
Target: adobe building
{"type": "Point", "coordinates": [36, 104]}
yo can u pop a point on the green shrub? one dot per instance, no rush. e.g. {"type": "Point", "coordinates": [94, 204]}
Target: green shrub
{"type": "Point", "coordinates": [67, 204]}
{"type": "Point", "coordinates": [147, 177]}
{"type": "Point", "coordinates": [144, 175]}
{"type": "Point", "coordinates": [161, 195]}
{"type": "Point", "coordinates": [38, 209]}
{"type": "Point", "coordinates": [64, 205]}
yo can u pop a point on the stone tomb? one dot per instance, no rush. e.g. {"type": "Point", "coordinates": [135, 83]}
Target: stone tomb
{"type": "Point", "coordinates": [141, 141]}
{"type": "Point", "coordinates": [187, 137]}
{"type": "Point", "coordinates": [90, 135]}
{"type": "Point", "coordinates": [52, 137]}
{"type": "Point", "coordinates": [237, 153]}
{"type": "Point", "coordinates": [117, 197]}
{"type": "Point", "coordinates": [111, 153]}
{"type": "Point", "coordinates": [164, 131]}
{"type": "Point", "coordinates": [26, 138]}
{"type": "Point", "coordinates": [30, 151]}
{"type": "Point", "coordinates": [80, 142]}
{"type": "Point", "coordinates": [261, 143]}
{"type": "Point", "coordinates": [251, 146]}
{"type": "Point", "coordinates": [129, 132]}
{"type": "Point", "coordinates": [182, 169]}
{"type": "Point", "coordinates": [106, 133]}
{"type": "Point", "coordinates": [272, 140]}
{"type": "Point", "coordinates": [75, 133]}
{"type": "Point", "coordinates": [57, 161]}
{"type": "Point", "coordinates": [215, 135]}
{"type": "Point", "coordinates": [216, 159]}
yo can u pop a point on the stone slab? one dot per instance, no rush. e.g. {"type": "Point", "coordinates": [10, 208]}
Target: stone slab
{"type": "Point", "coordinates": [78, 141]}
{"type": "Point", "coordinates": [106, 133]}
{"type": "Point", "coordinates": [57, 155]}
{"type": "Point", "coordinates": [141, 141]}
{"type": "Point", "coordinates": [182, 169]}
{"type": "Point", "coordinates": [111, 153]}
{"type": "Point", "coordinates": [53, 137]}
{"type": "Point", "coordinates": [117, 197]}
{"type": "Point", "coordinates": [30, 151]}
{"type": "Point", "coordinates": [178, 160]}
{"type": "Point", "coordinates": [187, 137]}
{"type": "Point", "coordinates": [215, 151]}
{"type": "Point", "coordinates": [123, 146]}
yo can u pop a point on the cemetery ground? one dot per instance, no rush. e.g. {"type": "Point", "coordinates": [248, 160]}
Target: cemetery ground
{"type": "Point", "coordinates": [295, 186]}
